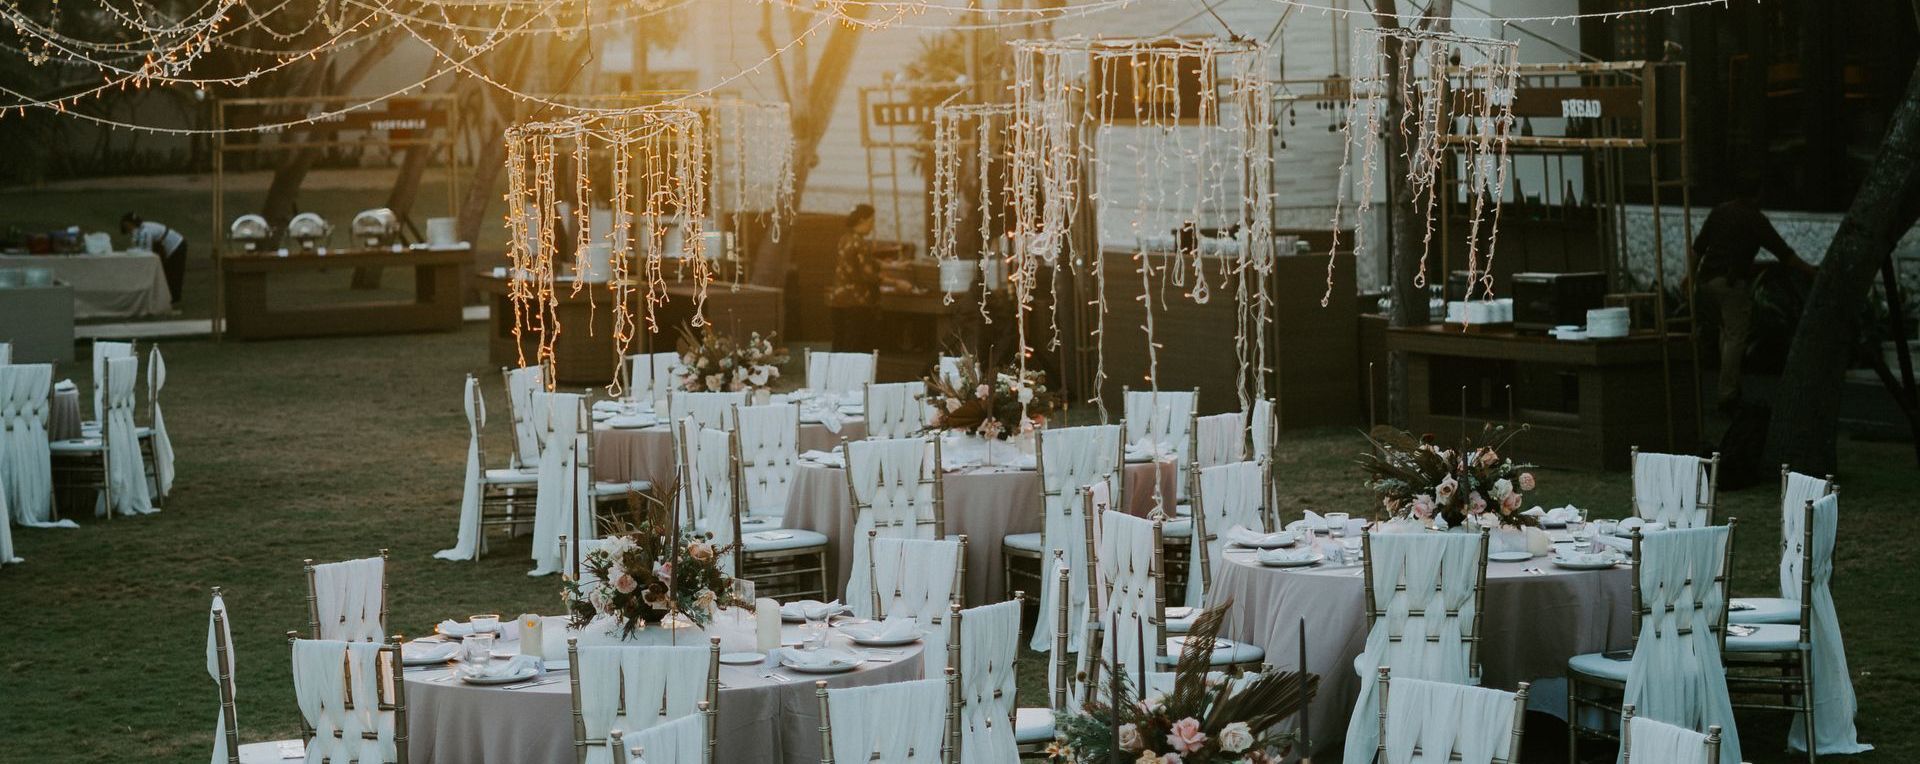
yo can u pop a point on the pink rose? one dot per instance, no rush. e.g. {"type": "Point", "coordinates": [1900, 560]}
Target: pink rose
{"type": "Point", "coordinates": [1130, 737]}
{"type": "Point", "coordinates": [1170, 758]}
{"type": "Point", "coordinates": [1445, 489]}
{"type": "Point", "coordinates": [1511, 502]}
{"type": "Point", "coordinates": [1526, 481]}
{"type": "Point", "coordinates": [1423, 507]}
{"type": "Point", "coordinates": [625, 584]}
{"type": "Point", "coordinates": [1477, 504]}
{"type": "Point", "coordinates": [982, 391]}
{"type": "Point", "coordinates": [1186, 737]}
{"type": "Point", "coordinates": [700, 552]}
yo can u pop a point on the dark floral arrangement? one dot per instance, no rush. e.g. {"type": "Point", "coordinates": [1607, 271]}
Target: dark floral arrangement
{"type": "Point", "coordinates": [644, 574]}
{"type": "Point", "coordinates": [712, 362]}
{"type": "Point", "coordinates": [1207, 719]}
{"type": "Point", "coordinates": [1418, 481]}
{"type": "Point", "coordinates": [996, 405]}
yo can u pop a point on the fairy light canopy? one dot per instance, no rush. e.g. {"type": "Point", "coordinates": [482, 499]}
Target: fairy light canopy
{"type": "Point", "coordinates": [752, 155]}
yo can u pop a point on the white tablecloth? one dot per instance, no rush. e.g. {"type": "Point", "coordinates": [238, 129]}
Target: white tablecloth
{"type": "Point", "coordinates": [116, 285]}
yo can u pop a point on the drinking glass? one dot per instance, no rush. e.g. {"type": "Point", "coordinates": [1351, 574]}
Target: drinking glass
{"type": "Point", "coordinates": [489, 622]}
{"type": "Point", "coordinates": [1606, 527]}
{"type": "Point", "coordinates": [743, 598]}
{"type": "Point", "coordinates": [1336, 523]}
{"type": "Point", "coordinates": [478, 647]}
{"type": "Point", "coordinates": [1583, 538]}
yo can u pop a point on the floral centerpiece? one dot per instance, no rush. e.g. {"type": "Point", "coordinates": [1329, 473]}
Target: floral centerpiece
{"type": "Point", "coordinates": [1439, 488]}
{"type": "Point", "coordinates": [713, 362]}
{"type": "Point", "coordinates": [995, 406]}
{"type": "Point", "coordinates": [647, 574]}
{"type": "Point", "coordinates": [1206, 719]}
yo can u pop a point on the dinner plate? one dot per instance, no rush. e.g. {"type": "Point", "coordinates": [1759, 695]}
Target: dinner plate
{"type": "Point", "coordinates": [878, 642]}
{"type": "Point", "coordinates": [518, 676]}
{"type": "Point", "coordinates": [836, 668]}
{"type": "Point", "coordinates": [1572, 565]}
{"type": "Point", "coordinates": [743, 659]}
{"type": "Point", "coordinates": [1510, 556]}
{"type": "Point", "coordinates": [1313, 559]}
{"type": "Point", "coordinates": [435, 657]}
{"type": "Point", "coordinates": [1269, 541]}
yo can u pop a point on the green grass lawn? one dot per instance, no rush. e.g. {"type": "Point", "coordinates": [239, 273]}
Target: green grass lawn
{"type": "Point", "coordinates": [331, 449]}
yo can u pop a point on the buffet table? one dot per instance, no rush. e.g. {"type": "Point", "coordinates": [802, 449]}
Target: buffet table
{"type": "Point", "coordinates": [248, 311]}
{"type": "Point", "coordinates": [113, 285]}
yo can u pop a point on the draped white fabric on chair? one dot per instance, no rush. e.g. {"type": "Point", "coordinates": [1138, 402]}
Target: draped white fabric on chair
{"type": "Point", "coordinates": [681, 741]}
{"type": "Point", "coordinates": [1799, 490]}
{"type": "Point", "coordinates": [633, 689]}
{"type": "Point", "coordinates": [888, 480]}
{"type": "Point", "coordinates": [899, 723]}
{"type": "Point", "coordinates": [350, 599]}
{"type": "Point", "coordinates": [1657, 742]}
{"type": "Point", "coordinates": [126, 468]}
{"type": "Point", "coordinates": [26, 467]}
{"type": "Point", "coordinates": [556, 418]}
{"type": "Point", "coordinates": [989, 646]}
{"type": "Point", "coordinates": [709, 485]}
{"type": "Point", "coordinates": [1424, 585]}
{"type": "Point", "coordinates": [1230, 495]}
{"type": "Point", "coordinates": [1834, 703]}
{"type": "Point", "coordinates": [1125, 558]}
{"type": "Point", "coordinates": [162, 443]}
{"type": "Point", "coordinates": [522, 383]}
{"type": "Point", "coordinates": [6, 353]}
{"type": "Point", "coordinates": [843, 374]}
{"type": "Point", "coordinates": [650, 377]}
{"type": "Point", "coordinates": [6, 526]}
{"type": "Point", "coordinates": [713, 410]}
{"type": "Point", "coordinates": [913, 578]}
{"type": "Point", "coordinates": [1261, 428]}
{"type": "Point", "coordinates": [1062, 685]}
{"type": "Point", "coordinates": [1072, 458]}
{"type": "Point", "coordinates": [104, 350]}
{"type": "Point", "coordinates": [1677, 677]}
{"type": "Point", "coordinates": [769, 455]}
{"type": "Point", "coordinates": [220, 632]}
{"type": "Point", "coordinates": [324, 673]}
{"type": "Point", "coordinates": [467, 545]}
{"type": "Point", "coordinates": [896, 409]}
{"type": "Point", "coordinates": [949, 370]}
{"type": "Point", "coordinates": [1441, 719]}
{"type": "Point", "coordinates": [1671, 488]}
{"type": "Point", "coordinates": [1163, 417]}
{"type": "Point", "coordinates": [1220, 439]}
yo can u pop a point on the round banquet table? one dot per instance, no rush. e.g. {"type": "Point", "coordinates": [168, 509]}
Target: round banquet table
{"type": "Point", "coordinates": [1532, 623]}
{"type": "Point", "coordinates": [646, 453]}
{"type": "Point", "coordinates": [63, 415]}
{"type": "Point", "coordinates": [761, 720]}
{"type": "Point", "coordinates": [984, 503]}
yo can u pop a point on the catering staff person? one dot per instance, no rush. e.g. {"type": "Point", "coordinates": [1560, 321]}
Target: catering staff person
{"type": "Point", "coordinates": [857, 278]}
{"type": "Point", "coordinates": [161, 240]}
{"type": "Point", "coordinates": [1732, 237]}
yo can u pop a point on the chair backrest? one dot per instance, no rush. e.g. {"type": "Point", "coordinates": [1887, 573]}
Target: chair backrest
{"type": "Point", "coordinates": [841, 374]}
{"type": "Point", "coordinates": [1424, 593]}
{"type": "Point", "coordinates": [919, 579]}
{"type": "Point", "coordinates": [1676, 489]}
{"type": "Point", "coordinates": [347, 601]}
{"type": "Point", "coordinates": [769, 437]}
{"type": "Point", "coordinates": [522, 383]}
{"type": "Point", "coordinates": [709, 485]}
{"type": "Point", "coordinates": [1424, 721]}
{"type": "Point", "coordinates": [1164, 417]}
{"type": "Point", "coordinates": [1228, 495]}
{"type": "Point", "coordinates": [1132, 570]}
{"type": "Point", "coordinates": [1796, 491]}
{"type": "Point", "coordinates": [333, 682]}
{"type": "Point", "coordinates": [896, 409]}
{"type": "Point", "coordinates": [713, 410]}
{"type": "Point", "coordinates": [226, 734]}
{"type": "Point", "coordinates": [161, 443]}
{"type": "Point", "coordinates": [633, 688]}
{"type": "Point", "coordinates": [1648, 741]}
{"type": "Point", "coordinates": [895, 487]}
{"type": "Point", "coordinates": [1217, 439]}
{"type": "Point", "coordinates": [988, 645]}
{"type": "Point", "coordinates": [564, 431]}
{"type": "Point", "coordinates": [1680, 603]}
{"type": "Point", "coordinates": [1262, 430]}
{"type": "Point", "coordinates": [898, 723]}
{"type": "Point", "coordinates": [476, 410]}
{"type": "Point", "coordinates": [103, 350]}
{"type": "Point", "coordinates": [26, 470]}
{"type": "Point", "coordinates": [6, 353]}
{"type": "Point", "coordinates": [650, 377]}
{"type": "Point", "coordinates": [682, 741]}
{"type": "Point", "coordinates": [127, 490]}
{"type": "Point", "coordinates": [1070, 459]}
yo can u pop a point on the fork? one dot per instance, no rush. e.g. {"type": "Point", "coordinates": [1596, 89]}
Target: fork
{"type": "Point", "coordinates": [777, 678]}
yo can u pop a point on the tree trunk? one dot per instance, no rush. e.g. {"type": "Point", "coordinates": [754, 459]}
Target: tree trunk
{"type": "Point", "coordinates": [1806, 417]}
{"type": "Point", "coordinates": [282, 194]}
{"type": "Point", "coordinates": [1405, 221]}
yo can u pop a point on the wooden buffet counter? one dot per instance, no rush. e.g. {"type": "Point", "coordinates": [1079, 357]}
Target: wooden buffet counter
{"type": "Point", "coordinates": [250, 311]}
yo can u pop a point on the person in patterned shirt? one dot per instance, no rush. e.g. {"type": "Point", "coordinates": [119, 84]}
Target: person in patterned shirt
{"type": "Point", "coordinates": [857, 277]}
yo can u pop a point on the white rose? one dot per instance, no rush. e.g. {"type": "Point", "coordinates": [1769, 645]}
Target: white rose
{"type": "Point", "coordinates": [1235, 737]}
{"type": "Point", "coordinates": [1026, 394]}
{"type": "Point", "coordinates": [1501, 488]}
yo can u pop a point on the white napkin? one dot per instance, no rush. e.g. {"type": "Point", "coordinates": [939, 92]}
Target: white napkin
{"type": "Point", "coordinates": [1583, 558]}
{"type": "Point", "coordinates": [610, 406]}
{"type": "Point", "coordinates": [1614, 542]}
{"type": "Point", "coordinates": [1311, 522]}
{"type": "Point", "coordinates": [830, 418]}
{"type": "Point", "coordinates": [824, 458]}
{"type": "Point", "coordinates": [895, 627]}
{"type": "Point", "coordinates": [453, 629]}
{"type": "Point", "coordinates": [828, 657]}
{"type": "Point", "coordinates": [632, 420]}
{"type": "Point", "coordinates": [428, 652]}
{"type": "Point", "coordinates": [1243, 536]}
{"type": "Point", "coordinates": [1150, 450]}
{"type": "Point", "coordinates": [813, 609]}
{"type": "Point", "coordinates": [66, 386]}
{"type": "Point", "coordinates": [1286, 555]}
{"type": "Point", "coordinates": [515, 666]}
{"type": "Point", "coordinates": [770, 535]}
{"type": "Point", "coordinates": [1556, 516]}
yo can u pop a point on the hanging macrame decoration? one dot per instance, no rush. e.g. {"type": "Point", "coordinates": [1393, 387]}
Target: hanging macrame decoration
{"type": "Point", "coordinates": [589, 197]}
{"type": "Point", "coordinates": [1456, 97]}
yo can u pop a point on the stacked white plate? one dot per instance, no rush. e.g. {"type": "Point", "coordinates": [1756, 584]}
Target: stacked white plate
{"type": "Point", "coordinates": [1603, 323]}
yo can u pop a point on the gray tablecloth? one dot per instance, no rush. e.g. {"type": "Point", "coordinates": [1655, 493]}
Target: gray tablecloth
{"type": "Point", "coordinates": [761, 720]}
{"type": "Point", "coordinates": [646, 453]}
{"type": "Point", "coordinates": [986, 504]}
{"type": "Point", "coordinates": [63, 415]}
{"type": "Point", "coordinates": [1532, 624]}
{"type": "Point", "coordinates": [117, 285]}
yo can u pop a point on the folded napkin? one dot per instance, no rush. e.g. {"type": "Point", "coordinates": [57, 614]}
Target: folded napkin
{"type": "Point", "coordinates": [1629, 525]}
{"type": "Point", "coordinates": [632, 420]}
{"type": "Point", "coordinates": [1555, 516]}
{"type": "Point", "coordinates": [1738, 605]}
{"type": "Point", "coordinates": [610, 406]}
{"type": "Point", "coordinates": [1302, 554]}
{"type": "Point", "coordinates": [1246, 537]}
{"type": "Point", "coordinates": [428, 652]}
{"type": "Point", "coordinates": [770, 535]}
{"type": "Point", "coordinates": [1584, 558]}
{"type": "Point", "coordinates": [830, 418]}
{"type": "Point", "coordinates": [811, 609]}
{"type": "Point", "coordinates": [65, 386]}
{"type": "Point", "coordinates": [453, 629]}
{"type": "Point", "coordinates": [516, 666]}
{"type": "Point", "coordinates": [895, 627]}
{"type": "Point", "coordinates": [826, 657]}
{"type": "Point", "coordinates": [1614, 542]}
{"type": "Point", "coordinates": [824, 458]}
{"type": "Point", "coordinates": [1312, 522]}
{"type": "Point", "coordinates": [1151, 450]}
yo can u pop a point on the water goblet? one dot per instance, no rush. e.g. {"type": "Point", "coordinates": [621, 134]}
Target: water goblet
{"type": "Point", "coordinates": [743, 599]}
{"type": "Point", "coordinates": [478, 647]}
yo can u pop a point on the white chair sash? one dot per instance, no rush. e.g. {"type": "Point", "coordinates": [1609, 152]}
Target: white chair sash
{"type": "Point", "coordinates": [6, 526]}
{"type": "Point", "coordinates": [1072, 458]}
{"type": "Point", "coordinates": [557, 419]}
{"type": "Point", "coordinates": [522, 383]}
{"type": "Point", "coordinates": [899, 723]}
{"type": "Point", "coordinates": [1260, 430]}
{"type": "Point", "coordinates": [26, 467]}
{"type": "Point", "coordinates": [321, 686]}
{"type": "Point", "coordinates": [709, 485]}
{"type": "Point", "coordinates": [1670, 488]}
{"type": "Point", "coordinates": [6, 353]}
{"type": "Point", "coordinates": [1125, 562]}
{"type": "Point", "coordinates": [1424, 585]}
{"type": "Point", "coordinates": [989, 646]}
{"type": "Point", "coordinates": [769, 456]}
{"type": "Point", "coordinates": [841, 374]}
{"type": "Point", "coordinates": [466, 546]}
{"type": "Point", "coordinates": [104, 350]}
{"type": "Point", "coordinates": [1834, 703]}
{"type": "Point", "coordinates": [1799, 490]}
{"type": "Point", "coordinates": [220, 632]}
{"type": "Point", "coordinates": [1163, 417]}
{"type": "Point", "coordinates": [889, 485]}
{"type": "Point", "coordinates": [1650, 741]}
{"type": "Point", "coordinates": [914, 578]}
{"type": "Point", "coordinates": [1678, 678]}
{"type": "Point", "coordinates": [1230, 495]}
{"type": "Point", "coordinates": [681, 741]}
{"type": "Point", "coordinates": [658, 684]}
{"type": "Point", "coordinates": [1221, 438]}
{"type": "Point", "coordinates": [126, 468]}
{"type": "Point", "coordinates": [162, 443]}
{"type": "Point", "coordinates": [896, 410]}
{"type": "Point", "coordinates": [349, 597]}
{"type": "Point", "coordinates": [713, 410]}
{"type": "Point", "coordinates": [651, 376]}
{"type": "Point", "coordinates": [1442, 719]}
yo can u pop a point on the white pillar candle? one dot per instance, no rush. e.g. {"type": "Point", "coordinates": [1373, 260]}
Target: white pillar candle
{"type": "Point", "coordinates": [766, 616]}
{"type": "Point", "coordinates": [532, 636]}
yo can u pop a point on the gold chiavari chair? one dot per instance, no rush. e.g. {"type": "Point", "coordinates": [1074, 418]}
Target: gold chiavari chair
{"type": "Point", "coordinates": [390, 696]}
{"type": "Point", "coordinates": [830, 755]}
{"type": "Point", "coordinates": [708, 708]}
{"type": "Point", "coordinates": [1510, 752]}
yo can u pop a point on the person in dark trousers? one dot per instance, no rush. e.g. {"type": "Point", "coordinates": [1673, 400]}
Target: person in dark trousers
{"type": "Point", "coordinates": [855, 296]}
{"type": "Point", "coordinates": [1732, 237]}
{"type": "Point", "coordinates": [161, 240]}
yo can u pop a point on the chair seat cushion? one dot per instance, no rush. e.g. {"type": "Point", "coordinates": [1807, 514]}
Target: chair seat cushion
{"type": "Point", "coordinates": [506, 476]}
{"type": "Point", "coordinates": [75, 446]}
{"type": "Point", "coordinates": [1032, 725]}
{"type": "Point", "coordinates": [1239, 653]}
{"type": "Point", "coordinates": [1766, 610]}
{"type": "Point", "coordinates": [1599, 665]}
{"type": "Point", "coordinates": [264, 753]}
{"type": "Point", "coordinates": [92, 430]}
{"type": "Point", "coordinates": [1177, 528]}
{"type": "Point", "coordinates": [796, 538]}
{"type": "Point", "coordinates": [1025, 542]}
{"type": "Point", "coordinates": [606, 488]}
{"type": "Point", "coordinates": [1767, 638]}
